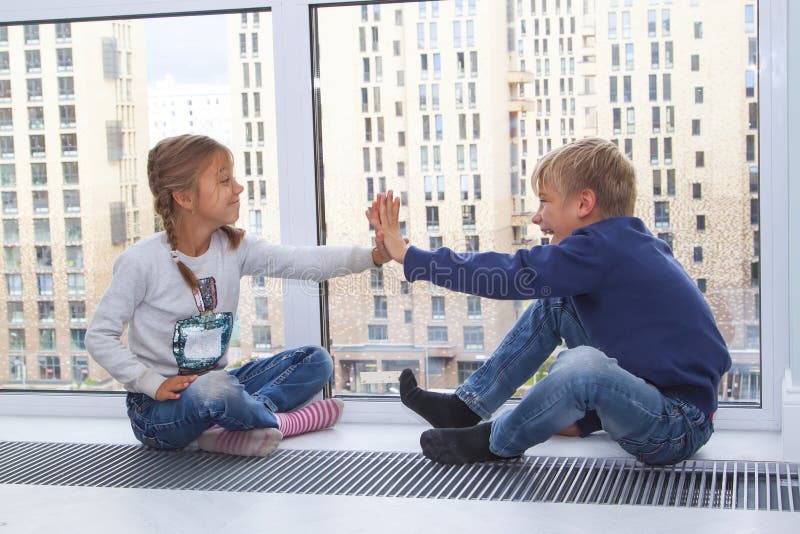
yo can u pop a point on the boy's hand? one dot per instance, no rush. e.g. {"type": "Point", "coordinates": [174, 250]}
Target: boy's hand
{"type": "Point", "coordinates": [380, 255]}
{"type": "Point", "coordinates": [388, 228]}
{"type": "Point", "coordinates": [171, 387]}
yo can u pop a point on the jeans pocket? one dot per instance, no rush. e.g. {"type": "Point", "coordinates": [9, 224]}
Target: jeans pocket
{"type": "Point", "coordinates": [139, 408]}
{"type": "Point", "coordinates": [658, 451]}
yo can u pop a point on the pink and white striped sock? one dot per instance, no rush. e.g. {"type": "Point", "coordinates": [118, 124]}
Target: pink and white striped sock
{"type": "Point", "coordinates": [256, 442]}
{"type": "Point", "coordinates": [315, 416]}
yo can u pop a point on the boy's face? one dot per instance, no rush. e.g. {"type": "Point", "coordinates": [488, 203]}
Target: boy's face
{"type": "Point", "coordinates": [557, 218]}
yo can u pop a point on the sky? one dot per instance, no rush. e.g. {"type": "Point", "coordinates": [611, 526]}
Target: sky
{"type": "Point", "coordinates": [191, 49]}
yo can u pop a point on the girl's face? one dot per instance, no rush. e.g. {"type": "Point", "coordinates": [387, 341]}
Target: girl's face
{"type": "Point", "coordinates": [218, 193]}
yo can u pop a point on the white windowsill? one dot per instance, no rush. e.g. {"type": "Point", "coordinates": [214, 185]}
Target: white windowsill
{"type": "Point", "coordinates": [349, 434]}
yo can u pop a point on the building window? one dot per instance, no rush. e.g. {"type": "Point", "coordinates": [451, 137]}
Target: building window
{"type": "Point", "coordinates": [465, 369]}
{"type": "Point", "coordinates": [77, 311]}
{"type": "Point", "coordinates": [379, 307]}
{"type": "Point", "coordinates": [376, 279]}
{"type": "Point", "coordinates": [698, 254]}
{"type": "Point", "coordinates": [64, 58]}
{"type": "Point", "coordinates": [661, 212]}
{"type": "Point", "coordinates": [473, 338]}
{"type": "Point", "coordinates": [80, 369]}
{"type": "Point", "coordinates": [699, 159]}
{"type": "Point", "coordinates": [16, 368]}
{"type": "Point", "coordinates": [49, 368]}
{"type": "Point", "coordinates": [701, 223]}
{"type": "Point", "coordinates": [437, 334]}
{"type": "Point", "coordinates": [47, 339]}
{"type": "Point", "coordinates": [41, 202]}
{"type": "Point", "coordinates": [47, 311]}
{"type": "Point", "coordinates": [262, 337]}
{"type": "Point", "coordinates": [437, 307]}
{"type": "Point", "coordinates": [15, 310]}
{"type": "Point", "coordinates": [72, 201]}
{"type": "Point", "coordinates": [75, 284]}
{"type": "Point", "coordinates": [377, 332]}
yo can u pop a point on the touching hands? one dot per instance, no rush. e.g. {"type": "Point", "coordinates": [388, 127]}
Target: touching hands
{"type": "Point", "coordinates": [387, 228]}
{"type": "Point", "coordinates": [171, 387]}
{"type": "Point", "coordinates": [376, 219]}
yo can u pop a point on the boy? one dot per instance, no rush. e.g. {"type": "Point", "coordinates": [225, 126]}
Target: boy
{"type": "Point", "coordinates": [644, 356]}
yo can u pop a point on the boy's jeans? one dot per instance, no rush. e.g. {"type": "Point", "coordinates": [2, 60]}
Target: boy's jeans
{"type": "Point", "coordinates": [655, 428]}
{"type": "Point", "coordinates": [239, 399]}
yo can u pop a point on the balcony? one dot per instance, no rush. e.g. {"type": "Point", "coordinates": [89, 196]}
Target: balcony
{"type": "Point", "coordinates": [520, 104]}
{"type": "Point", "coordinates": [520, 76]}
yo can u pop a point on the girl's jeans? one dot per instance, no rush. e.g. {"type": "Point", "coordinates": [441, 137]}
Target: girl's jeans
{"type": "Point", "coordinates": [653, 427]}
{"type": "Point", "coordinates": [239, 399]}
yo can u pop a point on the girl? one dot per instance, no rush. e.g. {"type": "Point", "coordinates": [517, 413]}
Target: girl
{"type": "Point", "coordinates": [178, 292]}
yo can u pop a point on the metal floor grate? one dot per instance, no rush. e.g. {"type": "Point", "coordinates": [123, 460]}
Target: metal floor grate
{"type": "Point", "coordinates": [706, 484]}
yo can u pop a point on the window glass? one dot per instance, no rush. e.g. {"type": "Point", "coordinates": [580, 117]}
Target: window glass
{"type": "Point", "coordinates": [667, 95]}
{"type": "Point", "coordinates": [81, 103]}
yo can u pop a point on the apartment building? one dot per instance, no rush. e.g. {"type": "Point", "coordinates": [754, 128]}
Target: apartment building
{"type": "Point", "coordinates": [73, 186]}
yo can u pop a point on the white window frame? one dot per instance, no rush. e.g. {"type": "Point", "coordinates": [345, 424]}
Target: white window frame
{"type": "Point", "coordinates": [294, 117]}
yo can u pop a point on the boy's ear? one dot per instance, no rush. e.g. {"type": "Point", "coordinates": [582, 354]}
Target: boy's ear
{"type": "Point", "coordinates": [587, 201]}
{"type": "Point", "coordinates": [183, 199]}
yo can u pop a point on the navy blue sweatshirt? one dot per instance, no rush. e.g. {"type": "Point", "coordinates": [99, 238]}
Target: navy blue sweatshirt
{"type": "Point", "coordinates": [635, 301]}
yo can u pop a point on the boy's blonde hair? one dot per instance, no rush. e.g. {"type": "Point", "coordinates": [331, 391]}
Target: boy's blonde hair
{"type": "Point", "coordinates": [173, 165]}
{"type": "Point", "coordinates": [590, 163]}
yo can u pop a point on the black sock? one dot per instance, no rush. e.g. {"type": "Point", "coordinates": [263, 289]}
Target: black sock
{"type": "Point", "coordinates": [459, 445]}
{"type": "Point", "coordinates": [441, 410]}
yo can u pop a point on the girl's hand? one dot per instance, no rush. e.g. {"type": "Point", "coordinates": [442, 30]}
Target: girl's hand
{"type": "Point", "coordinates": [171, 387]}
{"type": "Point", "coordinates": [388, 228]}
{"type": "Point", "coordinates": [380, 255]}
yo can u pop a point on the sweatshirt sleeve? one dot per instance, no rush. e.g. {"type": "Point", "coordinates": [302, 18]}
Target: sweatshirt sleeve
{"type": "Point", "coordinates": [113, 313]}
{"type": "Point", "coordinates": [572, 267]}
{"type": "Point", "coordinates": [319, 263]}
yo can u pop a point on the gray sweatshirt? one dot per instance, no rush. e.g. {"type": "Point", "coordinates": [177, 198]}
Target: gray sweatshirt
{"type": "Point", "coordinates": [171, 330]}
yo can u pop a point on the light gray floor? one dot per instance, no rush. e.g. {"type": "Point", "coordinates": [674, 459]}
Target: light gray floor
{"type": "Point", "coordinates": [35, 509]}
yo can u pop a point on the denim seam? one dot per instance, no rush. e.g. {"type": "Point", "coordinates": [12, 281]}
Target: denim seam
{"type": "Point", "coordinates": [472, 401]}
{"type": "Point", "coordinates": [555, 399]}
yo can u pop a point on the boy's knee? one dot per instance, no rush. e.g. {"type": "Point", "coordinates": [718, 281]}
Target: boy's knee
{"type": "Point", "coordinates": [319, 356]}
{"type": "Point", "coordinates": [583, 359]}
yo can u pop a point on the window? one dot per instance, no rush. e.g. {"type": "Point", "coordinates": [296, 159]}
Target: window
{"type": "Point", "coordinates": [64, 58]}
{"type": "Point", "coordinates": [72, 201]}
{"type": "Point", "coordinates": [379, 307]}
{"type": "Point", "coordinates": [262, 337]}
{"type": "Point", "coordinates": [437, 307]}
{"type": "Point", "coordinates": [77, 311]}
{"type": "Point", "coordinates": [75, 284]}
{"type": "Point", "coordinates": [437, 334]}
{"type": "Point", "coordinates": [661, 214]}
{"type": "Point", "coordinates": [49, 368]}
{"type": "Point", "coordinates": [80, 369]}
{"type": "Point", "coordinates": [47, 339]}
{"type": "Point", "coordinates": [15, 312]}
{"type": "Point", "coordinates": [473, 337]}
{"type": "Point", "coordinates": [465, 369]}
{"type": "Point", "coordinates": [698, 30]}
{"type": "Point", "coordinates": [377, 332]}
{"type": "Point", "coordinates": [72, 229]}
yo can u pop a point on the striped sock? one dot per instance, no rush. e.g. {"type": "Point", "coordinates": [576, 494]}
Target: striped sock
{"type": "Point", "coordinates": [256, 442]}
{"type": "Point", "coordinates": [315, 416]}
